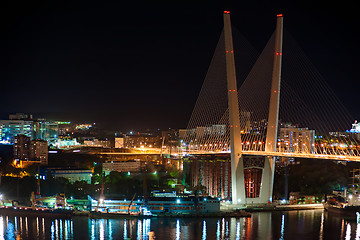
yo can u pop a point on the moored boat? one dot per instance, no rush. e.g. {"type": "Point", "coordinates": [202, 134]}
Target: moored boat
{"type": "Point", "coordinates": [348, 207]}
{"type": "Point", "coordinates": [39, 212]}
{"type": "Point", "coordinates": [95, 214]}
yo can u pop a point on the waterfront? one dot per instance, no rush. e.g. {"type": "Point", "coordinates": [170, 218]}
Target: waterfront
{"type": "Point", "coordinates": [304, 224]}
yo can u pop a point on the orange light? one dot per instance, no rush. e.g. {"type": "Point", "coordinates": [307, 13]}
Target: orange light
{"type": "Point", "coordinates": [227, 12]}
{"type": "Point", "coordinates": [279, 15]}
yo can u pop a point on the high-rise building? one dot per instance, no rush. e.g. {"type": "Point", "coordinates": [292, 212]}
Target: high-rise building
{"type": "Point", "coordinates": [48, 131]}
{"type": "Point", "coordinates": [22, 148]}
{"type": "Point", "coordinates": [39, 151]}
{"type": "Point", "coordinates": [30, 151]}
{"type": "Point", "coordinates": [12, 128]}
{"type": "Point", "coordinates": [293, 139]}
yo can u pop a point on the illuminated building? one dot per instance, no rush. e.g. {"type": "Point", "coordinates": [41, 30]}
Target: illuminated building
{"type": "Point", "coordinates": [202, 132]}
{"type": "Point", "coordinates": [170, 140]}
{"type": "Point", "coordinates": [293, 139]}
{"type": "Point", "coordinates": [66, 143]}
{"type": "Point", "coordinates": [63, 128]}
{"type": "Point", "coordinates": [211, 172]}
{"type": "Point", "coordinates": [30, 151]}
{"type": "Point", "coordinates": [72, 175]}
{"type": "Point", "coordinates": [97, 143]}
{"type": "Point", "coordinates": [355, 127]}
{"type": "Point", "coordinates": [122, 166]}
{"type": "Point", "coordinates": [39, 151]}
{"type": "Point", "coordinates": [48, 131]}
{"type": "Point", "coordinates": [83, 126]}
{"type": "Point", "coordinates": [12, 128]}
{"type": "Point", "coordinates": [22, 148]}
{"type": "Point", "coordinates": [119, 142]}
{"type": "Point", "coordinates": [142, 141]}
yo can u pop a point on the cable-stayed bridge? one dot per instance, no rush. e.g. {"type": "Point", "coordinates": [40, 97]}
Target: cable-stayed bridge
{"type": "Point", "coordinates": [308, 107]}
{"type": "Point", "coordinates": [283, 108]}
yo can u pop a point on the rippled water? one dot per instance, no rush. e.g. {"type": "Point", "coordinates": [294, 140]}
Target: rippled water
{"type": "Point", "coordinates": [308, 224]}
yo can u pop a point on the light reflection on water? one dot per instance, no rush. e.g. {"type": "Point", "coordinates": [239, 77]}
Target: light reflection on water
{"type": "Point", "coordinates": [310, 224]}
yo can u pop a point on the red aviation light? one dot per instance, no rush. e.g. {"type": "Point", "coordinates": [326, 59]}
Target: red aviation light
{"type": "Point", "coordinates": [227, 12]}
{"type": "Point", "coordinates": [279, 15]}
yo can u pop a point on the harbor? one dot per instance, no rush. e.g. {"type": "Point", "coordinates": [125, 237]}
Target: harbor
{"type": "Point", "coordinates": [159, 205]}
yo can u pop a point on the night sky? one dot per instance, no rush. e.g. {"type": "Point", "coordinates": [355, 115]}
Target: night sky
{"type": "Point", "coordinates": [142, 65]}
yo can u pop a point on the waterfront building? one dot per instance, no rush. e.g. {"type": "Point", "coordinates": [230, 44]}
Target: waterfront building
{"type": "Point", "coordinates": [212, 174]}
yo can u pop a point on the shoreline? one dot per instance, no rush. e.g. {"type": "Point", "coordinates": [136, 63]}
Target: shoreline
{"type": "Point", "coordinates": [275, 208]}
{"type": "Point", "coordinates": [245, 211]}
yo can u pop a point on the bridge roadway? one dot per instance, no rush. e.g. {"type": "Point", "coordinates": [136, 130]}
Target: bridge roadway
{"type": "Point", "coordinates": [257, 153]}
{"type": "Point", "coordinates": [293, 155]}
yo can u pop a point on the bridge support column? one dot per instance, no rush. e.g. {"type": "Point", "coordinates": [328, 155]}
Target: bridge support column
{"type": "Point", "coordinates": [272, 127]}
{"type": "Point", "coordinates": [237, 168]}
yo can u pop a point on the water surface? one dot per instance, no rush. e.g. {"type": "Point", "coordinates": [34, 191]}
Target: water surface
{"type": "Point", "coordinates": [305, 224]}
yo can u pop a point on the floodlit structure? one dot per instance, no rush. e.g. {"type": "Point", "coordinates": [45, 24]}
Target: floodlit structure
{"type": "Point", "coordinates": [252, 177]}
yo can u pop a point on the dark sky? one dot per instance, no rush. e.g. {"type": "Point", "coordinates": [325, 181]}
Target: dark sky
{"type": "Point", "coordinates": [142, 65]}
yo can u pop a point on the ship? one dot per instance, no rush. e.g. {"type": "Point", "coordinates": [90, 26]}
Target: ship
{"type": "Point", "coordinates": [36, 212]}
{"type": "Point", "coordinates": [37, 209]}
{"type": "Point", "coordinates": [348, 208]}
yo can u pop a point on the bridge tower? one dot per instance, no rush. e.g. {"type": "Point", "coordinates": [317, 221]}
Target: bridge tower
{"type": "Point", "coordinates": [237, 166]}
{"type": "Point", "coordinates": [252, 177]}
{"type": "Point", "coordinates": [273, 119]}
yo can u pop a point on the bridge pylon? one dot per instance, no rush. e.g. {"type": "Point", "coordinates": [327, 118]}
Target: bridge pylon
{"type": "Point", "coordinates": [273, 119]}
{"type": "Point", "coordinates": [237, 166]}
{"type": "Point", "coordinates": [252, 177]}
